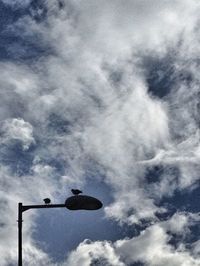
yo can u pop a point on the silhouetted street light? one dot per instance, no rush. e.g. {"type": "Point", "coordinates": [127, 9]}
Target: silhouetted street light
{"type": "Point", "coordinates": [78, 202]}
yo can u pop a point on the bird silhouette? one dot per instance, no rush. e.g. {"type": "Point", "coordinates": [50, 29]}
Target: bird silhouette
{"type": "Point", "coordinates": [76, 191]}
{"type": "Point", "coordinates": [47, 201]}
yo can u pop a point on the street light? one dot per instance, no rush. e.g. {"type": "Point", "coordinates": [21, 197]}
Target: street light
{"type": "Point", "coordinates": [77, 202]}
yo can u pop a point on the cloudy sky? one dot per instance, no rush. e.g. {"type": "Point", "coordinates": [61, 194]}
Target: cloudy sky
{"type": "Point", "coordinates": [103, 96]}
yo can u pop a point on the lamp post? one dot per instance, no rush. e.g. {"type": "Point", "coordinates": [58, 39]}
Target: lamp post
{"type": "Point", "coordinates": [82, 202]}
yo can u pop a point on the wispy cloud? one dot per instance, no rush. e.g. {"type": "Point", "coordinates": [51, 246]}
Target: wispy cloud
{"type": "Point", "coordinates": [93, 99]}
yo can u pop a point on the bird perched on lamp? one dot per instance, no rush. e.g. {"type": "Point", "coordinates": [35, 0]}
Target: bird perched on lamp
{"type": "Point", "coordinates": [47, 201]}
{"type": "Point", "coordinates": [76, 191]}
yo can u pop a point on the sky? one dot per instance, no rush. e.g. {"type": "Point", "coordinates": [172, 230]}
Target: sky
{"type": "Point", "coordinates": [103, 96]}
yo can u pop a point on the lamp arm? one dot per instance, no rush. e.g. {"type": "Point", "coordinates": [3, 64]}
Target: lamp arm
{"type": "Point", "coordinates": [43, 206]}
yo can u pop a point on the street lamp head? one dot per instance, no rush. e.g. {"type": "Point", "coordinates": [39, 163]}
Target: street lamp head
{"type": "Point", "coordinates": [83, 202]}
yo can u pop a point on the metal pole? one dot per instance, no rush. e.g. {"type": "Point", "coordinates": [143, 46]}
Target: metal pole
{"type": "Point", "coordinates": [20, 234]}
{"type": "Point", "coordinates": [21, 209]}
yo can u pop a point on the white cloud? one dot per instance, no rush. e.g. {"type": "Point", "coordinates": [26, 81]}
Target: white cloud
{"type": "Point", "coordinates": [17, 129]}
{"type": "Point", "coordinates": [87, 252]}
{"type": "Point", "coordinates": [196, 248]}
{"type": "Point", "coordinates": [150, 247]}
{"type": "Point", "coordinates": [180, 222]}
{"type": "Point", "coordinates": [28, 189]}
{"type": "Point", "coordinates": [119, 125]}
